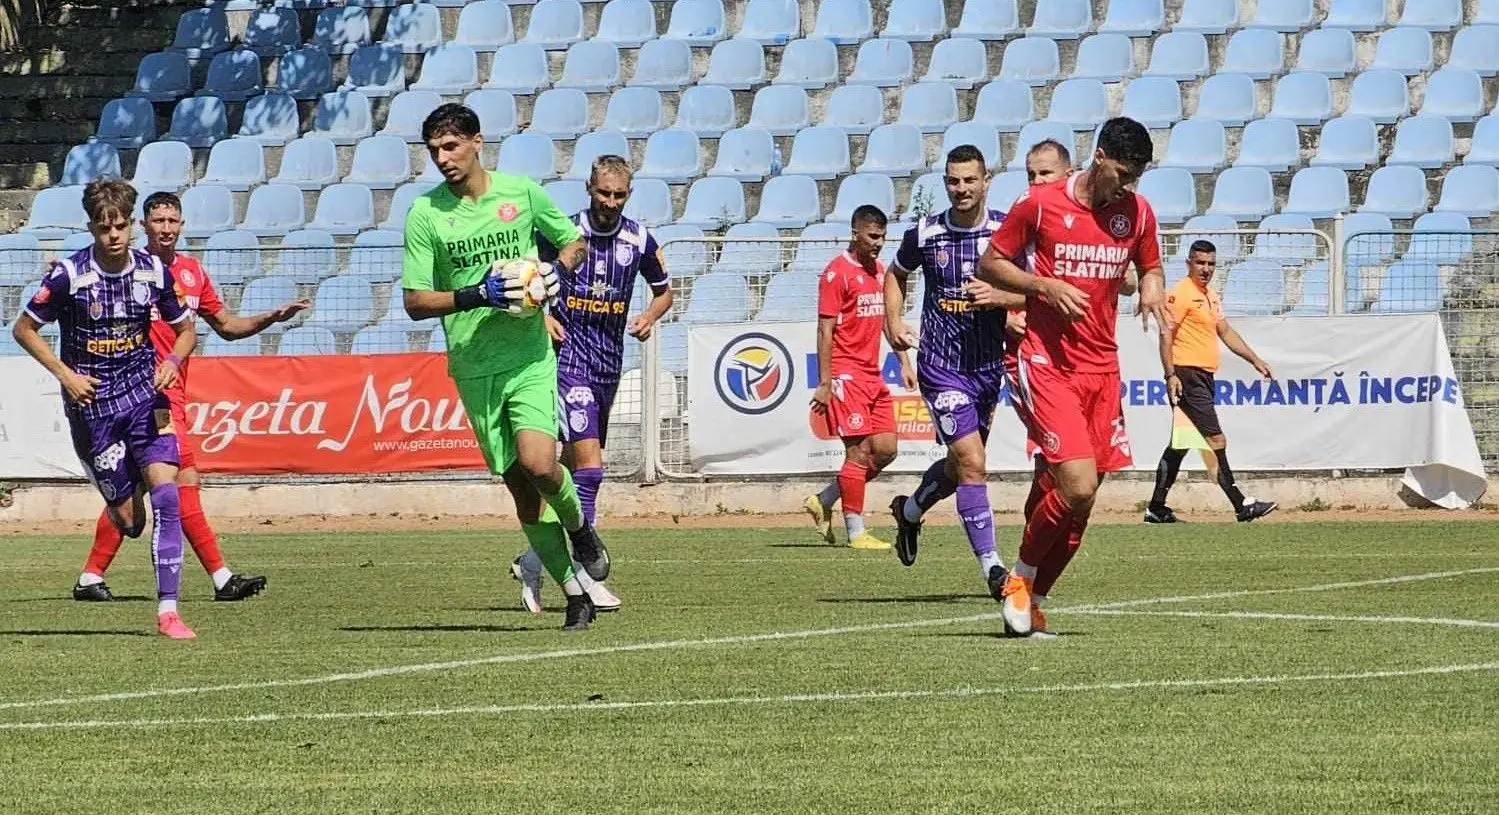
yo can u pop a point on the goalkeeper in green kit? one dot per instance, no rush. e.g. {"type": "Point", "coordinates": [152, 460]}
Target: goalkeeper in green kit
{"type": "Point", "coordinates": [460, 237]}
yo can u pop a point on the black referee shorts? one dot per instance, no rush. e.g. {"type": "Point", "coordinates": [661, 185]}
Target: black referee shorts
{"type": "Point", "coordinates": [1197, 399]}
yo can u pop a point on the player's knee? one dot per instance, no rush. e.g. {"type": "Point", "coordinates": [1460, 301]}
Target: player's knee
{"type": "Point", "coordinates": [1078, 490]}
{"type": "Point", "coordinates": [1218, 442]}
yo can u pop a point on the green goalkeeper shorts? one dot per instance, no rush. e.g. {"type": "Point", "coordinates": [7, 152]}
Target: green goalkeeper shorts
{"type": "Point", "coordinates": [501, 405]}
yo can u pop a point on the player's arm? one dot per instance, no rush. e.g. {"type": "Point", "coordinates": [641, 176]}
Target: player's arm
{"type": "Point", "coordinates": [1168, 368]}
{"type": "Point", "coordinates": [421, 300]}
{"type": "Point", "coordinates": [907, 259]}
{"type": "Point", "coordinates": [1131, 282]}
{"type": "Point", "coordinates": [1236, 344]}
{"type": "Point", "coordinates": [1147, 258]}
{"type": "Point", "coordinates": [997, 267]}
{"type": "Point", "coordinates": [907, 370]}
{"type": "Point", "coordinates": [824, 392]}
{"type": "Point", "coordinates": [235, 327]}
{"type": "Point", "coordinates": [40, 310]}
{"type": "Point", "coordinates": [180, 318]}
{"type": "Point", "coordinates": [985, 296]}
{"type": "Point", "coordinates": [653, 269]}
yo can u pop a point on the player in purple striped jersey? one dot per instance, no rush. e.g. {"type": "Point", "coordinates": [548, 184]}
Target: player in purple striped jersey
{"type": "Point", "coordinates": [960, 357]}
{"type": "Point", "coordinates": [112, 386]}
{"type": "Point", "coordinates": [589, 319]}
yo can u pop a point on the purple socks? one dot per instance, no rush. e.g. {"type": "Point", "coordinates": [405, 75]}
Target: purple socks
{"type": "Point", "coordinates": [978, 519]}
{"type": "Point", "coordinates": [588, 480]}
{"type": "Point", "coordinates": [166, 540]}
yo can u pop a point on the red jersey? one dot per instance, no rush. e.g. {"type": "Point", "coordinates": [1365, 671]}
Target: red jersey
{"type": "Point", "coordinates": [197, 293]}
{"type": "Point", "coordinates": [1090, 249]}
{"type": "Point", "coordinates": [848, 292]}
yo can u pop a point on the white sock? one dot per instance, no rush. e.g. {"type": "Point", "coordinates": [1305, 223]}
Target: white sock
{"type": "Point", "coordinates": [572, 588]}
{"type": "Point", "coordinates": [853, 524]}
{"type": "Point", "coordinates": [829, 495]}
{"type": "Point", "coordinates": [989, 560]}
{"type": "Point", "coordinates": [89, 579]}
{"type": "Point", "coordinates": [580, 575]}
{"type": "Point", "coordinates": [912, 510]}
{"type": "Point", "coordinates": [166, 607]}
{"type": "Point", "coordinates": [221, 576]}
{"type": "Point", "coordinates": [1025, 570]}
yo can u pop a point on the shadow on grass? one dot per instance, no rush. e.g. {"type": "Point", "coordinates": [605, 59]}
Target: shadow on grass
{"type": "Point", "coordinates": [72, 632]}
{"type": "Point", "coordinates": [803, 546]}
{"type": "Point", "coordinates": [118, 598]}
{"type": "Point", "coordinates": [440, 628]}
{"type": "Point", "coordinates": [915, 599]}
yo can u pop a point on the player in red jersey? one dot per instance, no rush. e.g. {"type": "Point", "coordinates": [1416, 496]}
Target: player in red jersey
{"type": "Point", "coordinates": [851, 395]}
{"type": "Point", "coordinates": [1080, 235]}
{"type": "Point", "coordinates": [163, 225]}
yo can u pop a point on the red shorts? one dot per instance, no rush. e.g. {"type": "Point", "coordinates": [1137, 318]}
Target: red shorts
{"type": "Point", "coordinates": [860, 407]}
{"type": "Point", "coordinates": [187, 448]}
{"type": "Point", "coordinates": [1074, 415]}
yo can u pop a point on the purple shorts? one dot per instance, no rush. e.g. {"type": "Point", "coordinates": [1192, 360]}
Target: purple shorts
{"type": "Point", "coordinates": [583, 408]}
{"type": "Point", "coordinates": [960, 403]}
{"type": "Point", "coordinates": [115, 449]}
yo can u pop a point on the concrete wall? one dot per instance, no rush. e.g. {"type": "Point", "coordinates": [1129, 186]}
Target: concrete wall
{"type": "Point", "coordinates": [16, 16]}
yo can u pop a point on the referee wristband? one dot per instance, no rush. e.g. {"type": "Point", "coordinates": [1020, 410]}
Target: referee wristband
{"type": "Point", "coordinates": [469, 298]}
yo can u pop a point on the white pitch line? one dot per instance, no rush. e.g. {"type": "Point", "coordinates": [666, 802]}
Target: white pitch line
{"type": "Point", "coordinates": [668, 645]}
{"type": "Point", "coordinates": [1265, 615]}
{"type": "Point", "coordinates": [798, 698]}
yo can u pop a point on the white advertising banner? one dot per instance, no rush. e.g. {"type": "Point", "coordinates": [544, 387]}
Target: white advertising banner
{"type": "Point", "coordinates": [1352, 392]}
{"type": "Point", "coordinates": [34, 440]}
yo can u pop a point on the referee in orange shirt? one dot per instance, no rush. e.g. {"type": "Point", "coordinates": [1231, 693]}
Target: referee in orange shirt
{"type": "Point", "coordinates": [1189, 356]}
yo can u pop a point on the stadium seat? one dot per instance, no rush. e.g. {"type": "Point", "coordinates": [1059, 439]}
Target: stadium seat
{"type": "Point", "coordinates": [1318, 192]}
{"type": "Point", "coordinates": [1036, 132]}
{"type": "Point", "coordinates": [635, 112]}
{"type": "Point", "coordinates": [309, 163]}
{"type": "Point", "coordinates": [894, 150]}
{"type": "Point", "coordinates": [1441, 237]}
{"type": "Point", "coordinates": [1134, 18]}
{"type": "Point", "coordinates": [1254, 288]}
{"type": "Point", "coordinates": [1217, 229]}
{"type": "Point", "coordinates": [1409, 287]}
{"type": "Point", "coordinates": [1003, 190]}
{"type": "Point", "coordinates": [809, 64]}
{"type": "Point", "coordinates": [342, 29]}
{"type": "Point", "coordinates": [722, 297]}
{"type": "Point", "coordinates": [1304, 98]}
{"type": "Point", "coordinates": [381, 339]}
{"type": "Point", "coordinates": [570, 195]}
{"type": "Point", "coordinates": [1356, 15]}
{"type": "Point", "coordinates": [560, 113]}
{"type": "Point", "coordinates": [448, 69]}
{"type": "Point", "coordinates": [1254, 52]}
{"type": "Point", "coordinates": [821, 153]}
{"type": "Point", "coordinates": [1329, 52]}
{"type": "Point", "coordinates": [261, 295]}
{"type": "Point", "coordinates": [233, 76]}
{"type": "Point", "coordinates": [750, 249]}
{"type": "Point", "coordinates": [273, 31]}
{"type": "Point", "coordinates": [345, 209]}
{"type": "Point", "coordinates": [207, 209]}
{"type": "Point", "coordinates": [496, 111]}
{"type": "Point", "coordinates": [984, 137]}
{"type": "Point", "coordinates": [529, 154]}
{"type": "Point", "coordinates": [714, 203]}
{"type": "Point", "coordinates": [994, 20]}
{"type": "Point", "coordinates": [1171, 192]}
{"type": "Point", "coordinates": [1179, 55]}
{"type": "Point", "coordinates": [1270, 144]}
{"type": "Point", "coordinates": [672, 344]}
{"type": "Point", "coordinates": [1243, 193]}
{"type": "Point", "coordinates": [929, 106]}
{"type": "Point", "coordinates": [1407, 50]}
{"type": "Point", "coordinates": [407, 111]}
{"type": "Point", "coordinates": [414, 28]}
{"type": "Point", "coordinates": [521, 68]}
{"type": "Point", "coordinates": [781, 110]}
{"type": "Point", "coordinates": [926, 191]}
{"type": "Point", "coordinates": [1433, 15]}
{"type": "Point", "coordinates": [377, 70]}
{"type": "Point", "coordinates": [882, 63]}
{"type": "Point", "coordinates": [400, 204]}
{"type": "Point", "coordinates": [1473, 50]}
{"type": "Point", "coordinates": [437, 343]}
{"type": "Point", "coordinates": [1486, 12]}
{"type": "Point", "coordinates": [744, 153]}
{"type": "Point", "coordinates": [380, 163]}
{"type": "Point", "coordinates": [1380, 96]}
{"type": "Point", "coordinates": [486, 25]}
{"type": "Point", "coordinates": [1061, 19]}
{"type": "Point", "coordinates": [305, 73]}
{"type": "Point", "coordinates": [342, 117]}
{"type": "Point", "coordinates": [212, 345]}
{"type": "Point", "coordinates": [856, 109]}
{"type": "Point", "coordinates": [650, 202]}
{"type": "Point", "coordinates": [627, 23]}
{"type": "Point", "coordinates": [1396, 192]}
{"type": "Point", "coordinates": [1369, 242]}
{"type": "Point", "coordinates": [1347, 143]}
{"type": "Point", "coordinates": [1153, 101]}
{"type": "Point", "coordinates": [306, 257]}
{"type": "Point", "coordinates": [163, 165]}
{"type": "Point", "coordinates": [1197, 145]}
{"type": "Point", "coordinates": [306, 341]}
{"type": "Point", "coordinates": [1422, 141]}
{"type": "Point", "coordinates": [73, 243]}
{"type": "Point", "coordinates": [819, 244]}
{"type": "Point", "coordinates": [672, 155]}
{"type": "Point", "coordinates": [201, 33]}
{"type": "Point", "coordinates": [790, 297]}
{"type": "Point", "coordinates": [1227, 98]}
{"type": "Point", "coordinates": [1208, 16]}
{"type": "Point", "coordinates": [89, 162]}
{"type": "Point", "coordinates": [1081, 104]}
{"type": "Point", "coordinates": [770, 22]}
{"type": "Point", "coordinates": [237, 164]}
{"type": "Point", "coordinates": [1285, 238]}
{"type": "Point", "coordinates": [1032, 60]}
{"type": "Point", "coordinates": [21, 261]}
{"type": "Point", "coordinates": [162, 77]}
{"type": "Point", "coordinates": [592, 65]}
{"type": "Point", "coordinates": [707, 110]}
{"type": "Point", "coordinates": [698, 23]}
{"type": "Point", "coordinates": [915, 20]}
{"type": "Point", "coordinates": [126, 123]}
{"type": "Point", "coordinates": [683, 250]}
{"type": "Point", "coordinates": [343, 304]}
{"type": "Point", "coordinates": [376, 257]}
{"type": "Point", "coordinates": [274, 210]}
{"type": "Point", "coordinates": [1104, 57]}
{"type": "Point", "coordinates": [1288, 16]}
{"type": "Point", "coordinates": [55, 213]}
{"type": "Point", "coordinates": [199, 121]}
{"type": "Point", "coordinates": [270, 119]}
{"type": "Point", "coordinates": [960, 63]}
{"type": "Point", "coordinates": [1316, 284]}
{"type": "Point", "coordinates": [862, 188]}
{"type": "Point", "coordinates": [789, 202]}
{"type": "Point", "coordinates": [844, 22]}
{"type": "Point", "coordinates": [233, 257]}
{"type": "Point", "coordinates": [1471, 190]}
{"type": "Point", "coordinates": [1455, 94]}
{"type": "Point", "coordinates": [1484, 147]}
{"type": "Point", "coordinates": [590, 146]}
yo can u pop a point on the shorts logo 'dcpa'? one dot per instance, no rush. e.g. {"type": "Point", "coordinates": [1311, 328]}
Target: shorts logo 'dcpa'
{"type": "Point", "coordinates": [1120, 226]}
{"type": "Point", "coordinates": [108, 459]}
{"type": "Point", "coordinates": [579, 395]}
{"type": "Point", "coordinates": [753, 373]}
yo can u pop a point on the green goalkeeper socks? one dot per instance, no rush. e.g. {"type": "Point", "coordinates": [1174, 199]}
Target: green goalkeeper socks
{"type": "Point", "coordinates": [550, 543]}
{"type": "Point", "coordinates": [569, 508]}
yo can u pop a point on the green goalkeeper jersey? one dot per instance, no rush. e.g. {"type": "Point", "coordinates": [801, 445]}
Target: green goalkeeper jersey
{"type": "Point", "coordinates": [451, 242]}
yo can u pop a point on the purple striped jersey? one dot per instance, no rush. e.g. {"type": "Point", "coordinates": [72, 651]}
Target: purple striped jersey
{"type": "Point", "coordinates": [104, 324]}
{"type": "Point", "coordinates": [954, 336]}
{"type": "Point", "coordinates": [594, 303]}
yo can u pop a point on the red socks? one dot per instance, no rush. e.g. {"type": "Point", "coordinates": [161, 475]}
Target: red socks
{"type": "Point", "coordinates": [195, 527]}
{"type": "Point", "coordinates": [107, 542]}
{"type": "Point", "coordinates": [1041, 483]}
{"type": "Point", "coordinates": [1056, 560]}
{"type": "Point", "coordinates": [851, 480]}
{"type": "Point", "coordinates": [1046, 529]}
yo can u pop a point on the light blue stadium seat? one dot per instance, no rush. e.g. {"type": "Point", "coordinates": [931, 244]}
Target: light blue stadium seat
{"type": "Point", "coordinates": [789, 202]}
{"type": "Point", "coordinates": [496, 111]}
{"type": "Point", "coordinates": [381, 339]}
{"type": "Point", "coordinates": [1407, 50]}
{"type": "Point", "coordinates": [163, 165]}
{"type": "Point", "coordinates": [781, 110]}
{"type": "Point", "coordinates": [1473, 50]}
{"type": "Point", "coordinates": [1270, 144]}
{"type": "Point", "coordinates": [212, 345]}
{"type": "Point", "coordinates": [1179, 55]}
{"type": "Point", "coordinates": [309, 163]}
{"type": "Point", "coordinates": [1471, 190]}
{"type": "Point", "coordinates": [529, 154]}
{"type": "Point", "coordinates": [808, 64]}
{"type": "Point", "coordinates": [521, 68]}
{"type": "Point", "coordinates": [1254, 52]}
{"type": "Point", "coordinates": [72, 243]}
{"type": "Point", "coordinates": [884, 63]}
{"type": "Point", "coordinates": [233, 257]}
{"type": "Point", "coordinates": [1283, 15]}
{"type": "Point", "coordinates": [1433, 15]}
{"type": "Point", "coordinates": [790, 297]}
{"type": "Point", "coordinates": [448, 69]}
{"type": "Point", "coordinates": [894, 150]}
{"type": "Point", "coordinates": [1171, 192]}
{"type": "Point", "coordinates": [163, 77]}
{"type": "Point", "coordinates": [995, 20]}
{"type": "Point", "coordinates": [915, 20]}
{"type": "Point", "coordinates": [1003, 190]}
{"type": "Point", "coordinates": [1208, 16]}
{"type": "Point", "coordinates": [343, 304]}
{"type": "Point", "coordinates": [207, 209]}
{"type": "Point", "coordinates": [707, 110]}
{"type": "Point", "coordinates": [237, 164]}
{"type": "Point", "coordinates": [1318, 192]}
{"type": "Point", "coordinates": [663, 65]}
{"type": "Point", "coordinates": [201, 33]}
{"type": "Point", "coordinates": [561, 113]}
{"type": "Point", "coordinates": [1243, 193]}
{"type": "Point", "coordinates": [862, 188]}
{"type": "Point", "coordinates": [1280, 238]}
{"type": "Point", "coordinates": [749, 249]}
{"type": "Point", "coordinates": [305, 73]}
{"type": "Point", "coordinates": [400, 204]}
{"type": "Point", "coordinates": [959, 62]}
{"type": "Point", "coordinates": [844, 22]}
{"type": "Point", "coordinates": [376, 258]}
{"type": "Point", "coordinates": [984, 137]}
{"type": "Point", "coordinates": [627, 23]}
{"type": "Point", "coordinates": [1486, 13]}
{"type": "Point", "coordinates": [485, 25]}
{"type": "Point", "coordinates": [1329, 52]}
{"type": "Point", "coordinates": [1036, 132]}
{"type": "Point", "coordinates": [930, 107]}
{"type": "Point", "coordinates": [1081, 104]}
{"type": "Point", "coordinates": [306, 257]}
{"type": "Point", "coordinates": [698, 23]}
{"type": "Point", "coordinates": [407, 112]}
{"type": "Point", "coordinates": [343, 117]}
{"type": "Point", "coordinates": [1228, 98]}
{"type": "Point", "coordinates": [1153, 101]}
{"type": "Point", "coordinates": [1396, 192]}
{"type": "Point", "coordinates": [1134, 18]}
{"type": "Point", "coordinates": [635, 112]}
{"type": "Point", "coordinates": [683, 250]}
{"type": "Point", "coordinates": [1254, 288]}
{"type": "Point", "coordinates": [88, 162]}
{"type": "Point", "coordinates": [199, 121]}
{"type": "Point", "coordinates": [929, 186]}
{"type": "Point", "coordinates": [1105, 57]}
{"type": "Point", "coordinates": [307, 341]}
{"type": "Point", "coordinates": [672, 155]}
{"type": "Point", "coordinates": [233, 76]}
{"type": "Point", "coordinates": [821, 153]}
{"type": "Point", "coordinates": [1061, 19]}
{"type": "Point", "coordinates": [714, 203]}
{"type": "Point", "coordinates": [1441, 237]}
{"type": "Point", "coordinates": [722, 297]}
{"type": "Point", "coordinates": [819, 244]}
{"type": "Point", "coordinates": [341, 29]}
{"type": "Point", "coordinates": [672, 348]}
{"type": "Point", "coordinates": [1369, 243]}
{"type": "Point", "coordinates": [274, 210]}
{"type": "Point", "coordinates": [1032, 60]}
{"type": "Point", "coordinates": [1356, 15]}
{"type": "Point", "coordinates": [55, 213]}
{"type": "Point", "coordinates": [592, 65]}
{"type": "Point", "coordinates": [1347, 143]}
{"type": "Point", "coordinates": [856, 109]}
{"type": "Point", "coordinates": [1304, 98]}
{"type": "Point", "coordinates": [21, 261]}
{"type": "Point", "coordinates": [650, 202]}
{"type": "Point", "coordinates": [1455, 94]}
{"type": "Point", "coordinates": [262, 294]}
{"type": "Point", "coordinates": [744, 153]}
{"type": "Point", "coordinates": [437, 343]}
{"type": "Point", "coordinates": [771, 22]}
{"type": "Point", "coordinates": [1316, 285]}
{"type": "Point", "coordinates": [1379, 95]}
{"type": "Point", "coordinates": [377, 70]}
{"type": "Point", "coordinates": [590, 146]}
{"type": "Point", "coordinates": [126, 123]}
{"type": "Point", "coordinates": [380, 163]}
{"type": "Point", "coordinates": [1422, 141]}
{"type": "Point", "coordinates": [417, 27]}
{"type": "Point", "coordinates": [273, 31]}
{"type": "Point", "coordinates": [1217, 229]}
{"type": "Point", "coordinates": [1408, 287]}
{"type": "Point", "coordinates": [344, 209]}
{"type": "Point", "coordinates": [1197, 145]}
{"type": "Point", "coordinates": [570, 195]}
{"type": "Point", "coordinates": [1484, 147]}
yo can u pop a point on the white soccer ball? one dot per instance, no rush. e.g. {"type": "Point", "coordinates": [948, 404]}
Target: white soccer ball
{"type": "Point", "coordinates": [525, 274]}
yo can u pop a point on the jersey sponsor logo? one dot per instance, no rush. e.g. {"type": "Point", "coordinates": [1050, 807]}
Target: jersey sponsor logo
{"type": "Point", "coordinates": [948, 400]}
{"type": "Point", "coordinates": [504, 244]}
{"type": "Point", "coordinates": [870, 304]}
{"type": "Point", "coordinates": [579, 395]}
{"type": "Point", "coordinates": [1090, 260]}
{"type": "Point", "coordinates": [593, 305]}
{"type": "Point", "coordinates": [754, 373]}
{"type": "Point", "coordinates": [1119, 225]}
{"type": "Point", "coordinates": [508, 212]}
{"type": "Point", "coordinates": [624, 254]}
{"type": "Point", "coordinates": [108, 459]}
{"type": "Point", "coordinates": [115, 345]}
{"type": "Point", "coordinates": [954, 305]}
{"type": "Point", "coordinates": [140, 293]}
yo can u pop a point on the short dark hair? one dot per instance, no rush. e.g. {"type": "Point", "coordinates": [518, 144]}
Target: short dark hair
{"type": "Point", "coordinates": [1126, 140]}
{"type": "Point", "coordinates": [1203, 246]}
{"type": "Point", "coordinates": [1051, 144]}
{"type": "Point", "coordinates": [161, 199]}
{"type": "Point", "coordinates": [108, 196]}
{"type": "Point", "coordinates": [964, 153]}
{"type": "Point", "coordinates": [868, 213]}
{"type": "Point", "coordinates": [459, 120]}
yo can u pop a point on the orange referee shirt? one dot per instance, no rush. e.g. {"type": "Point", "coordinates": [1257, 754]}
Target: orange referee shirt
{"type": "Point", "coordinates": [1196, 311]}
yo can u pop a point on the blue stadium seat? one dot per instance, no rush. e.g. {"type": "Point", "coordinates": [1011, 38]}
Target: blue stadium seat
{"type": "Point", "coordinates": [448, 69]}
{"type": "Point", "coordinates": [1455, 94]}
{"type": "Point", "coordinates": [376, 257]}
{"type": "Point", "coordinates": [984, 137]}
{"type": "Point", "coordinates": [856, 109]}
{"type": "Point", "coordinates": [1036, 132]}
{"type": "Point", "coordinates": [714, 203]}
{"type": "Point", "coordinates": [163, 165]}
{"type": "Point", "coordinates": [1407, 50]}
{"type": "Point", "coordinates": [707, 110]}
{"type": "Point", "coordinates": [212, 345]}
{"type": "Point", "coordinates": [199, 121]}
{"type": "Point", "coordinates": [1472, 190]}
{"type": "Point", "coordinates": [1370, 241]}
{"type": "Point", "coordinates": [683, 250]}
{"type": "Point", "coordinates": [1484, 147]}
{"type": "Point", "coordinates": [1396, 192]}
{"type": "Point", "coordinates": [781, 110]}
{"type": "Point", "coordinates": [345, 209]}
{"type": "Point", "coordinates": [770, 22]}
{"type": "Point", "coordinates": [819, 244]}
{"type": "Point", "coordinates": [201, 33]}
{"type": "Point", "coordinates": [381, 339]}
{"type": "Point", "coordinates": [1288, 16]}
{"type": "Point", "coordinates": [1356, 15]}
{"type": "Point", "coordinates": [718, 298]}
{"type": "Point", "coordinates": [789, 202]}
{"type": "Point", "coordinates": [1061, 19]}
{"type": "Point", "coordinates": [862, 188]}
{"type": "Point", "coordinates": [1422, 141]}
{"type": "Point", "coordinates": [672, 345]}
{"type": "Point", "coordinates": [380, 163]}
{"type": "Point", "coordinates": [1208, 16]}
{"type": "Point", "coordinates": [407, 112]}
{"type": "Point", "coordinates": [627, 23]}
{"type": "Point", "coordinates": [234, 257]}
{"type": "Point", "coordinates": [1270, 144]}
{"type": "Point", "coordinates": [1179, 55]}
{"type": "Point", "coordinates": [1473, 50]}
{"type": "Point", "coordinates": [305, 73]}
{"type": "Point", "coordinates": [342, 29]}
{"type": "Point", "coordinates": [207, 209]}
{"type": "Point", "coordinates": [1217, 229]}
{"type": "Point", "coordinates": [1243, 193]}
{"type": "Point", "coordinates": [1254, 288]}
{"type": "Point", "coordinates": [126, 123]}
{"type": "Point", "coordinates": [233, 76]}
{"type": "Point", "coordinates": [570, 195]}
{"type": "Point", "coordinates": [237, 164]}
{"type": "Point", "coordinates": [749, 249]}
{"type": "Point", "coordinates": [273, 31]}
{"type": "Point", "coordinates": [274, 210]}
{"type": "Point", "coordinates": [1379, 95]}
{"type": "Point", "coordinates": [1153, 101]}
{"type": "Point", "coordinates": [1285, 238]}
{"type": "Point", "coordinates": [883, 63]}
{"type": "Point", "coordinates": [592, 65]}
{"type": "Point", "coordinates": [343, 304]}
{"type": "Point", "coordinates": [650, 202]}
{"type": "Point", "coordinates": [417, 27]}
{"type": "Point", "coordinates": [377, 70]}
{"type": "Point", "coordinates": [590, 146]}
{"type": "Point", "coordinates": [635, 112]}
{"type": "Point", "coordinates": [698, 23]}
{"type": "Point", "coordinates": [809, 64]}
{"type": "Point", "coordinates": [400, 204]}
{"type": "Point", "coordinates": [1197, 145]}
{"type": "Point", "coordinates": [1171, 192]}
{"type": "Point", "coordinates": [790, 297]}
{"type": "Point", "coordinates": [1441, 237]}
{"type": "Point", "coordinates": [736, 64]}
{"type": "Point", "coordinates": [844, 22]}
{"type": "Point", "coordinates": [437, 343]}
{"type": "Point", "coordinates": [486, 25]}
{"type": "Point", "coordinates": [1409, 286]}
{"type": "Point", "coordinates": [1318, 192]}
{"type": "Point", "coordinates": [1227, 98]}
{"type": "Point", "coordinates": [343, 117]}
{"type": "Point", "coordinates": [894, 150]}
{"type": "Point", "coordinates": [307, 341]}
{"type": "Point", "coordinates": [1347, 143]}
{"type": "Point", "coordinates": [561, 113]}
{"type": "Point", "coordinates": [1003, 190]}
{"type": "Point", "coordinates": [962, 63]}
{"type": "Point", "coordinates": [430, 175]}
{"type": "Point", "coordinates": [1081, 104]}
{"type": "Point", "coordinates": [1486, 13]}
{"type": "Point", "coordinates": [1134, 18]}
{"type": "Point", "coordinates": [496, 111]}
{"type": "Point", "coordinates": [820, 153]}
{"type": "Point", "coordinates": [929, 106]}
{"type": "Point", "coordinates": [309, 163]}
{"type": "Point", "coordinates": [1304, 98]}
{"type": "Point", "coordinates": [1329, 52]}
{"type": "Point", "coordinates": [521, 68]}
{"type": "Point", "coordinates": [55, 213]}
{"type": "Point", "coordinates": [306, 257]}
{"type": "Point", "coordinates": [672, 155]}
{"type": "Point", "coordinates": [88, 162]}
{"type": "Point", "coordinates": [1433, 15]}
{"type": "Point", "coordinates": [915, 20]}
{"type": "Point", "coordinates": [529, 154]}
{"type": "Point", "coordinates": [1254, 52]}
{"type": "Point", "coordinates": [994, 20]}
{"type": "Point", "coordinates": [1105, 57]}
{"type": "Point", "coordinates": [163, 77]}
{"type": "Point", "coordinates": [744, 153]}
{"type": "Point", "coordinates": [1032, 60]}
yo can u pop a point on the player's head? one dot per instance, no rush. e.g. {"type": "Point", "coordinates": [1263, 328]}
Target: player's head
{"type": "Point", "coordinates": [1202, 261]}
{"type": "Point", "coordinates": [608, 190]}
{"type": "Point", "coordinates": [1123, 152]}
{"type": "Point", "coordinates": [108, 203]}
{"type": "Point", "coordinates": [453, 141]}
{"type": "Point", "coordinates": [1047, 161]}
{"type": "Point", "coordinates": [162, 220]}
{"type": "Point", "coordinates": [868, 225]}
{"type": "Point", "coordinates": [966, 178]}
